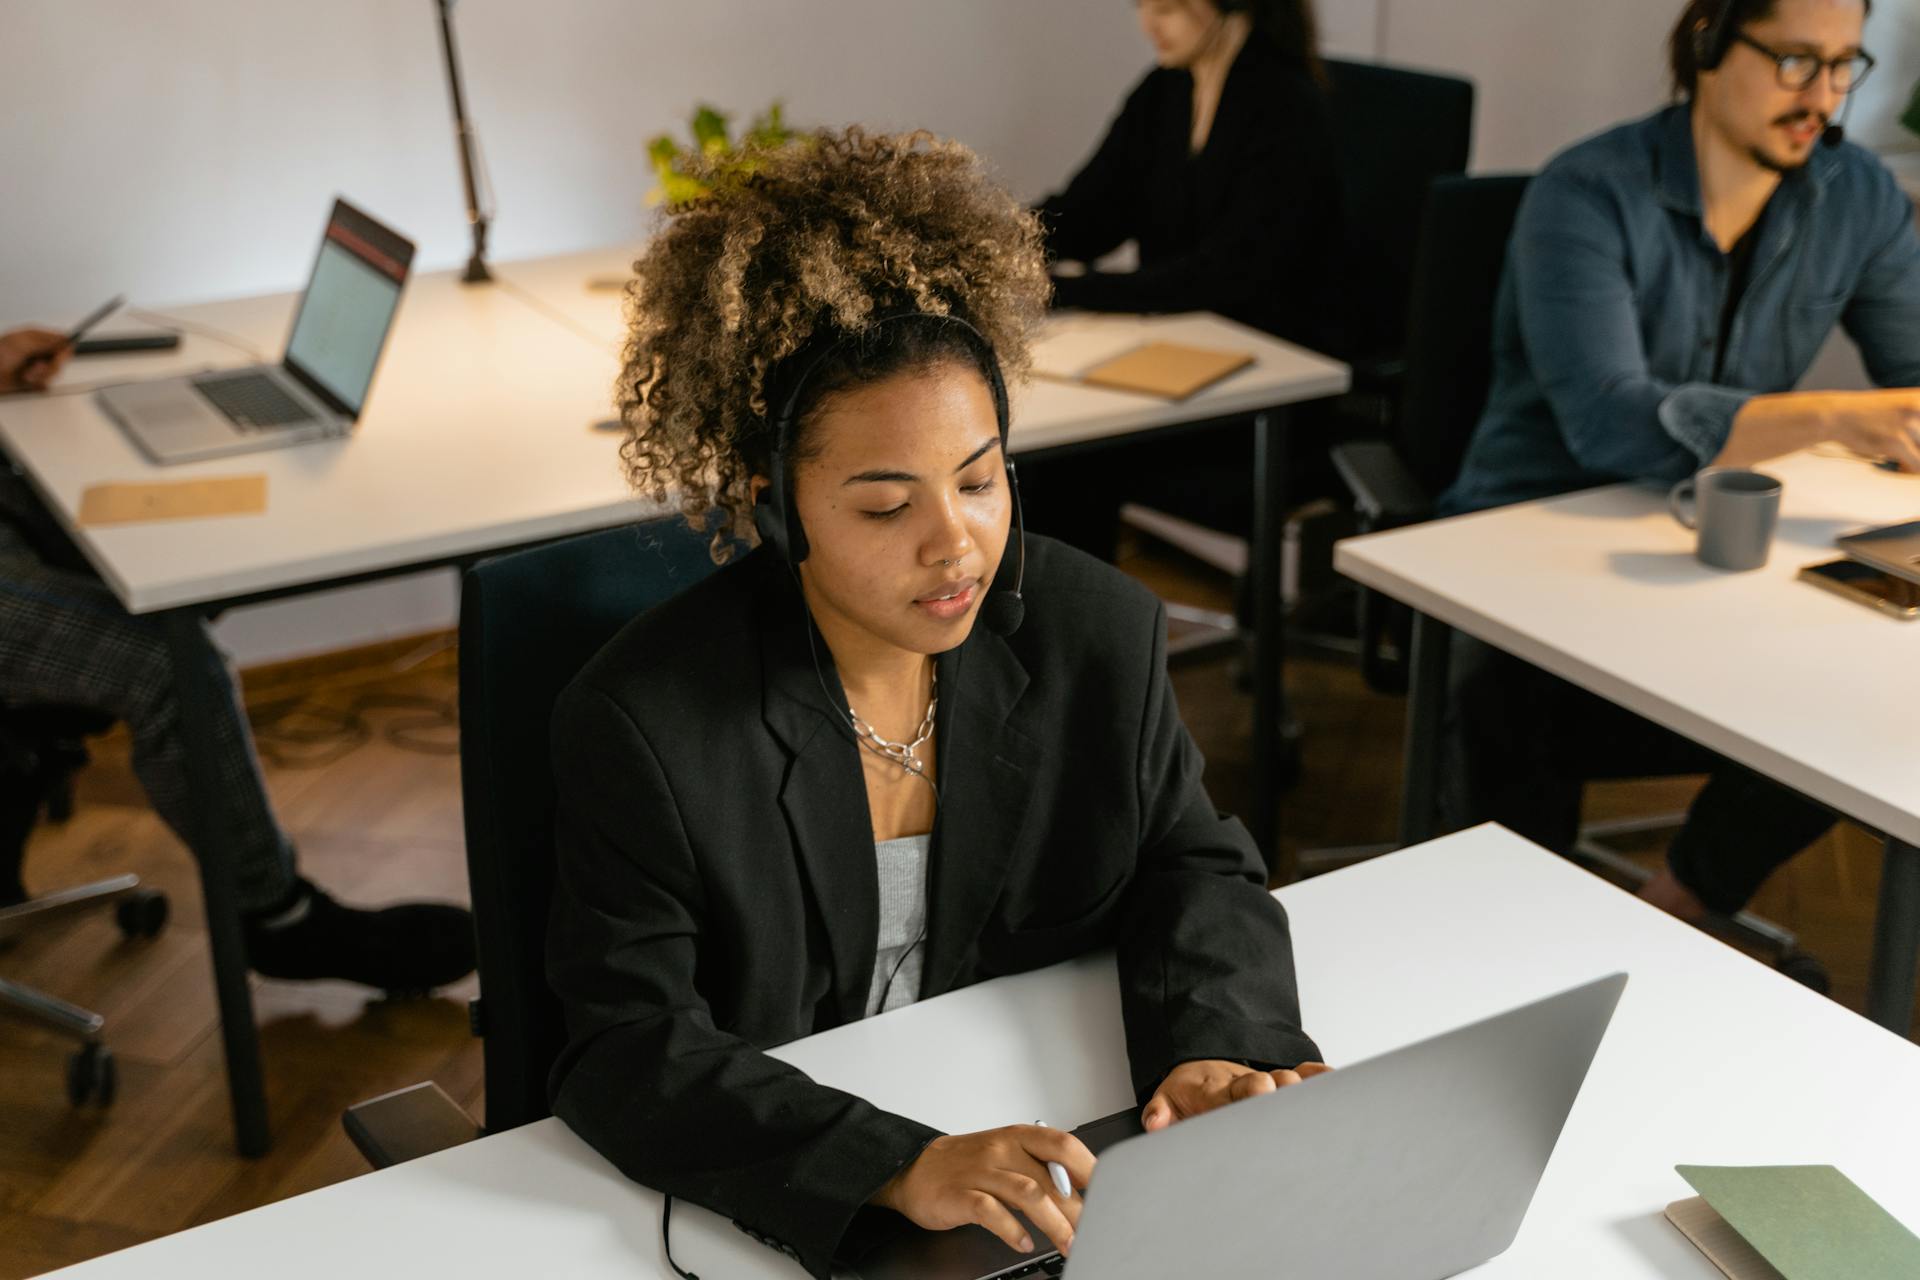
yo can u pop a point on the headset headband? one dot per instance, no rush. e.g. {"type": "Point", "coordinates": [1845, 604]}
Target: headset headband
{"type": "Point", "coordinates": [775, 517]}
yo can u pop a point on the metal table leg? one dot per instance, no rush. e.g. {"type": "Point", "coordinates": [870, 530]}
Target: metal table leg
{"type": "Point", "coordinates": [1896, 939]}
{"type": "Point", "coordinates": [196, 686]}
{"type": "Point", "coordinates": [1426, 713]}
{"type": "Point", "coordinates": [1274, 743]}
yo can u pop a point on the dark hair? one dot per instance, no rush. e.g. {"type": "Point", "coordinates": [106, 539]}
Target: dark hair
{"type": "Point", "coordinates": [872, 355]}
{"type": "Point", "coordinates": [824, 234]}
{"type": "Point", "coordinates": [1289, 24]}
{"type": "Point", "coordinates": [1701, 19]}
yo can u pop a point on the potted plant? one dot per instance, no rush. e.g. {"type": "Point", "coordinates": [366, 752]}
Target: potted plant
{"type": "Point", "coordinates": [723, 159]}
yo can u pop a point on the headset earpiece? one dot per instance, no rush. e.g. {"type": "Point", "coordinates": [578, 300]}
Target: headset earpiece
{"type": "Point", "coordinates": [770, 522]}
{"type": "Point", "coordinates": [1712, 41]}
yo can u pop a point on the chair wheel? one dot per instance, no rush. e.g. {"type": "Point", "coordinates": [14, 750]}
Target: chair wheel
{"type": "Point", "coordinates": [1807, 971]}
{"type": "Point", "coordinates": [142, 914]}
{"type": "Point", "coordinates": [91, 1077]}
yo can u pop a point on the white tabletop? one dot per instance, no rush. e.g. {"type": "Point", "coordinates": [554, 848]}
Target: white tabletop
{"type": "Point", "coordinates": [1602, 588]}
{"type": "Point", "coordinates": [1046, 413]}
{"type": "Point", "coordinates": [1711, 1059]}
{"type": "Point", "coordinates": [476, 436]}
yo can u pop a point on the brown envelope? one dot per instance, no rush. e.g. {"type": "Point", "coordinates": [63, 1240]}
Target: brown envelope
{"type": "Point", "coordinates": [174, 500]}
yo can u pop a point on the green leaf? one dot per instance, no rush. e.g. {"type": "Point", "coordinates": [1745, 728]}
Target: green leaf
{"type": "Point", "coordinates": [710, 129]}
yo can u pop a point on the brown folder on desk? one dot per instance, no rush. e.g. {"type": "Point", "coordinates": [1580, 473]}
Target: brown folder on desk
{"type": "Point", "coordinates": [1166, 369]}
{"type": "Point", "coordinates": [173, 499]}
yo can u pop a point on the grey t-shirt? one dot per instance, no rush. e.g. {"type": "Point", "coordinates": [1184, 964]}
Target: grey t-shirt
{"type": "Point", "coordinates": [901, 952]}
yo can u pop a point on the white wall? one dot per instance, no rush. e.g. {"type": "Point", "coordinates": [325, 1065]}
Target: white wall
{"type": "Point", "coordinates": [187, 150]}
{"type": "Point", "coordinates": [1553, 71]}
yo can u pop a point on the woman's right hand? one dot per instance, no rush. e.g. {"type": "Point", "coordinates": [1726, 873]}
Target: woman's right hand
{"type": "Point", "coordinates": [981, 1178]}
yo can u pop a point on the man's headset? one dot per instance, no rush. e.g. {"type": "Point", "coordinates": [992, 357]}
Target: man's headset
{"type": "Point", "coordinates": [1713, 42]}
{"type": "Point", "coordinates": [775, 517]}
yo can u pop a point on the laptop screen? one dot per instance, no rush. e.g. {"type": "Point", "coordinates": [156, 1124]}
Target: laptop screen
{"type": "Point", "coordinates": [348, 308]}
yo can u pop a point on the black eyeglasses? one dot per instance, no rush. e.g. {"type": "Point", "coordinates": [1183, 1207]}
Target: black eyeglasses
{"type": "Point", "coordinates": [1798, 71]}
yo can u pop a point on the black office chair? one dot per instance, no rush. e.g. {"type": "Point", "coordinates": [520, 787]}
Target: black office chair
{"type": "Point", "coordinates": [41, 748]}
{"type": "Point", "coordinates": [1449, 369]}
{"type": "Point", "coordinates": [1396, 131]}
{"type": "Point", "coordinates": [1448, 324]}
{"type": "Point", "coordinates": [528, 622]}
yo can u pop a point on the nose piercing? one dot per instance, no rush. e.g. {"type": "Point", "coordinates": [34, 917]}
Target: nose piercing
{"type": "Point", "coordinates": [949, 563]}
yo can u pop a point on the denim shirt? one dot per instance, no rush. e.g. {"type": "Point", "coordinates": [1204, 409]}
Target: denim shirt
{"type": "Point", "coordinates": [1609, 315]}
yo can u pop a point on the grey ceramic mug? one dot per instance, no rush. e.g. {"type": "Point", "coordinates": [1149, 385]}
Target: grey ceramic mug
{"type": "Point", "coordinates": [1736, 513]}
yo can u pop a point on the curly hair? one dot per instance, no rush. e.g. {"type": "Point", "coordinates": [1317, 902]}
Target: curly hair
{"type": "Point", "coordinates": [833, 231]}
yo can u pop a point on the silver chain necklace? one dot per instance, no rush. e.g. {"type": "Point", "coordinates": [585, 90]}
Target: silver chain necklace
{"type": "Point", "coordinates": [901, 753]}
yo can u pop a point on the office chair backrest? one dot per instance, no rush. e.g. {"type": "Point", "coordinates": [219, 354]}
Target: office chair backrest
{"type": "Point", "coordinates": [1395, 130]}
{"type": "Point", "coordinates": [528, 622]}
{"type": "Point", "coordinates": [1456, 281]}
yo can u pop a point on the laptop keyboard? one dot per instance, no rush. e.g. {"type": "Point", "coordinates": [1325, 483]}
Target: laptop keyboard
{"type": "Point", "coordinates": [253, 401]}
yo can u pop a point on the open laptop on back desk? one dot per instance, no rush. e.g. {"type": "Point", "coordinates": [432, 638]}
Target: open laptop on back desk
{"type": "Point", "coordinates": [319, 387]}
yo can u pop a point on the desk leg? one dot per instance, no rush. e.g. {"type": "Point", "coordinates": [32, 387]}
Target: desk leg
{"type": "Point", "coordinates": [196, 686]}
{"type": "Point", "coordinates": [1275, 739]}
{"type": "Point", "coordinates": [1426, 714]}
{"type": "Point", "coordinates": [1896, 939]}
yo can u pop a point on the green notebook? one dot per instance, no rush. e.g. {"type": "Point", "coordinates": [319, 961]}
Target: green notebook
{"type": "Point", "coordinates": [1809, 1221]}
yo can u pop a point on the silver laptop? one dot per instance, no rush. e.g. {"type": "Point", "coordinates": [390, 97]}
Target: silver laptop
{"type": "Point", "coordinates": [1414, 1165]}
{"type": "Point", "coordinates": [1893, 549]}
{"type": "Point", "coordinates": [318, 388]}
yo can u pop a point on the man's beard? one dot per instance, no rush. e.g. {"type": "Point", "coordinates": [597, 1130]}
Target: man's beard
{"type": "Point", "coordinates": [1774, 163]}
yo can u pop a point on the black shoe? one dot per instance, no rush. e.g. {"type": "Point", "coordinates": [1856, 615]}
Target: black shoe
{"type": "Point", "coordinates": [405, 949]}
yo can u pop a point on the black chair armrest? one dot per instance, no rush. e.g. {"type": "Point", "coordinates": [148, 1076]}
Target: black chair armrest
{"type": "Point", "coordinates": [1380, 374]}
{"type": "Point", "coordinates": [415, 1121]}
{"type": "Point", "coordinates": [1385, 492]}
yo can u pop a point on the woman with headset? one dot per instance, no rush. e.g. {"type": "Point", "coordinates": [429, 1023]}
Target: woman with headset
{"type": "Point", "coordinates": [895, 749]}
{"type": "Point", "coordinates": [1220, 169]}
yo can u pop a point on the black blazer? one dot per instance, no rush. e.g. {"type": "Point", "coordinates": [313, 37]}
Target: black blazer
{"type": "Point", "coordinates": [716, 891]}
{"type": "Point", "coordinates": [1250, 227]}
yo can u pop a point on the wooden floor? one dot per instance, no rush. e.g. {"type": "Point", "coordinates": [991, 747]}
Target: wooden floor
{"type": "Point", "coordinates": [382, 821]}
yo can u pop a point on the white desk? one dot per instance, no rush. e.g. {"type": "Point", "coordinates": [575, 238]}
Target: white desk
{"type": "Point", "coordinates": [1047, 414]}
{"type": "Point", "coordinates": [1601, 588]}
{"type": "Point", "coordinates": [1711, 1058]}
{"type": "Point", "coordinates": [476, 439]}
{"type": "Point", "coordinates": [1050, 418]}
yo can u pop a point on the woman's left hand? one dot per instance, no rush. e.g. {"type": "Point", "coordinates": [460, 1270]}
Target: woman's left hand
{"type": "Point", "coordinates": [1195, 1087]}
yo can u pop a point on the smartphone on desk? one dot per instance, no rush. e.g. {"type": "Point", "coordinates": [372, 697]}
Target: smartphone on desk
{"type": "Point", "coordinates": [1867, 585]}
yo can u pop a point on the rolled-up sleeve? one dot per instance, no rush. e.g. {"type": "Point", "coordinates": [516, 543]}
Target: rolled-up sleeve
{"type": "Point", "coordinates": [1581, 331]}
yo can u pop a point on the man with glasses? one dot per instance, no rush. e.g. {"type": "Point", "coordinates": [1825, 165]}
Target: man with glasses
{"type": "Point", "coordinates": [1667, 285]}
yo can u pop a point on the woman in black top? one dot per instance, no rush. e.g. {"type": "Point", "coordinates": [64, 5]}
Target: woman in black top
{"type": "Point", "coordinates": [1220, 166]}
{"type": "Point", "coordinates": [816, 358]}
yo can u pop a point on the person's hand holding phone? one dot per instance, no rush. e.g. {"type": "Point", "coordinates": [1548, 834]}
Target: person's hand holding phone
{"type": "Point", "coordinates": [30, 357]}
{"type": "Point", "coordinates": [981, 1178]}
{"type": "Point", "coordinates": [1193, 1088]}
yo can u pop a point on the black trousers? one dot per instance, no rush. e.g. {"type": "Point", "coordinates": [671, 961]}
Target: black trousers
{"type": "Point", "coordinates": [1523, 744]}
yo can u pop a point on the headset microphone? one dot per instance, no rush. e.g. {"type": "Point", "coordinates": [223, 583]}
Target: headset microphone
{"type": "Point", "coordinates": [1836, 133]}
{"type": "Point", "coordinates": [1004, 611]}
